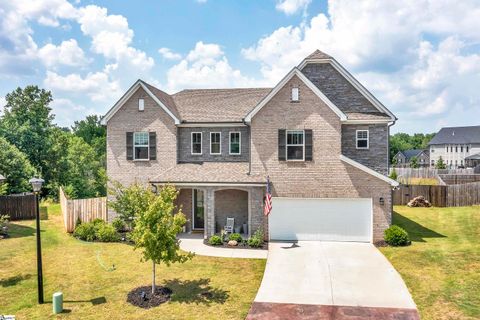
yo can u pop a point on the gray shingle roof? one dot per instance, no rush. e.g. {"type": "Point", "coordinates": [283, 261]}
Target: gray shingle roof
{"type": "Point", "coordinates": [317, 54]}
{"type": "Point", "coordinates": [457, 135]}
{"type": "Point", "coordinates": [411, 153]}
{"type": "Point", "coordinates": [473, 157]}
{"type": "Point", "coordinates": [209, 172]}
{"type": "Point", "coordinates": [367, 116]}
{"type": "Point", "coordinates": [217, 105]}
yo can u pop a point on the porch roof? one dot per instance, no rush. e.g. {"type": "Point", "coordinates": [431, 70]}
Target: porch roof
{"type": "Point", "coordinates": [209, 173]}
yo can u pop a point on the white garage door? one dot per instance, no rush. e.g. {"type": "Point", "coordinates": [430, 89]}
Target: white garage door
{"type": "Point", "coordinates": [321, 219]}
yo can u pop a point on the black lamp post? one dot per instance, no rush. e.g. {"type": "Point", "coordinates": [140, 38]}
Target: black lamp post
{"type": "Point", "coordinates": [37, 186]}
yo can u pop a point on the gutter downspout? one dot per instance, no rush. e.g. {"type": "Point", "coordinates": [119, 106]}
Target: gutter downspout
{"type": "Point", "coordinates": [388, 145]}
{"type": "Point", "coordinates": [249, 146]}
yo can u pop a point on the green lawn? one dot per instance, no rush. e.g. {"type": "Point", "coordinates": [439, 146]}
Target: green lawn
{"type": "Point", "coordinates": [91, 291]}
{"type": "Point", "coordinates": [442, 266]}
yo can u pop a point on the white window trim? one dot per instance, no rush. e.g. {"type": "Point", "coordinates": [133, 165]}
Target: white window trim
{"type": "Point", "coordinates": [298, 94]}
{"type": "Point", "coordinates": [368, 139]}
{"type": "Point", "coordinates": [239, 143]}
{"type": "Point", "coordinates": [148, 146]}
{"type": "Point", "coordinates": [191, 144]}
{"type": "Point", "coordinates": [220, 143]}
{"type": "Point", "coordinates": [287, 145]}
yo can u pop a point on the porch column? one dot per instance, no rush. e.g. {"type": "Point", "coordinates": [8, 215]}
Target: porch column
{"type": "Point", "coordinates": [256, 210]}
{"type": "Point", "coordinates": [209, 211]}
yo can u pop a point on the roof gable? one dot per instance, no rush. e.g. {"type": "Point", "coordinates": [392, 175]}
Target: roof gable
{"type": "Point", "coordinates": [295, 72]}
{"type": "Point", "coordinates": [161, 101]}
{"type": "Point", "coordinates": [370, 103]}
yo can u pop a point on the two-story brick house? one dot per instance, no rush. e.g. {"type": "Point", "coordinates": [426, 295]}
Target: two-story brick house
{"type": "Point", "coordinates": [319, 135]}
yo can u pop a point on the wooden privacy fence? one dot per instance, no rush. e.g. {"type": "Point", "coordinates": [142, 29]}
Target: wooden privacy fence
{"type": "Point", "coordinates": [18, 206]}
{"type": "Point", "coordinates": [459, 178]}
{"type": "Point", "coordinates": [455, 195]}
{"type": "Point", "coordinates": [84, 209]}
{"type": "Point", "coordinates": [428, 172]}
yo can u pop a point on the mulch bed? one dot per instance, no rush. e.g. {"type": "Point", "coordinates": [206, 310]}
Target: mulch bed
{"type": "Point", "coordinates": [380, 243]}
{"type": "Point", "coordinates": [242, 245]}
{"type": "Point", "coordinates": [142, 296]}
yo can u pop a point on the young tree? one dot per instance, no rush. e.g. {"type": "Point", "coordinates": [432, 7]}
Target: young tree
{"type": "Point", "coordinates": [414, 162]}
{"type": "Point", "coordinates": [156, 230]}
{"type": "Point", "coordinates": [393, 174]}
{"type": "Point", "coordinates": [440, 164]}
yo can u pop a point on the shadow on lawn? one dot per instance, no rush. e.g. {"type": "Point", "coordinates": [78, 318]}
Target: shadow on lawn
{"type": "Point", "coordinates": [19, 231]}
{"type": "Point", "coordinates": [94, 301]}
{"type": "Point", "coordinates": [195, 291]}
{"type": "Point", "coordinates": [12, 281]}
{"type": "Point", "coordinates": [416, 231]}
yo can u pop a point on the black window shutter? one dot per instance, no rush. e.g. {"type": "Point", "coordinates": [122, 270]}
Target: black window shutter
{"type": "Point", "coordinates": [281, 145]}
{"type": "Point", "coordinates": [129, 145]}
{"type": "Point", "coordinates": [153, 145]}
{"type": "Point", "coordinates": [308, 145]}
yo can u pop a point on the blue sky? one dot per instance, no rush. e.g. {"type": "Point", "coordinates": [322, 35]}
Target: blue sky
{"type": "Point", "coordinates": [420, 58]}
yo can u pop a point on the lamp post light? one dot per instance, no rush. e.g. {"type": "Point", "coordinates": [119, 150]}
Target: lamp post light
{"type": "Point", "coordinates": [37, 186]}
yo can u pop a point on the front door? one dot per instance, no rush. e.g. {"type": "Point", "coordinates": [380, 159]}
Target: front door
{"type": "Point", "coordinates": [198, 210]}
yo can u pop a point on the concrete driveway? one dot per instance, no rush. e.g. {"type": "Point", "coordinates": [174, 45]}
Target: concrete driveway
{"type": "Point", "coordinates": [313, 277]}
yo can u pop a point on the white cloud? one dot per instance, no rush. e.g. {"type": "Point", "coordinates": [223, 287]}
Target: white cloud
{"type": "Point", "coordinates": [416, 56]}
{"type": "Point", "coordinates": [169, 54]}
{"type": "Point", "coordinates": [67, 53]}
{"type": "Point", "coordinates": [201, 1]}
{"type": "Point", "coordinates": [111, 37]}
{"type": "Point", "coordinates": [67, 111]}
{"type": "Point", "coordinates": [292, 6]}
{"type": "Point", "coordinates": [97, 86]}
{"type": "Point", "coordinates": [205, 66]}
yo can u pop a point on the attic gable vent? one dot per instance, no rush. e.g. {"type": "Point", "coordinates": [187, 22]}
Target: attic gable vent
{"type": "Point", "coordinates": [295, 94]}
{"type": "Point", "coordinates": [141, 104]}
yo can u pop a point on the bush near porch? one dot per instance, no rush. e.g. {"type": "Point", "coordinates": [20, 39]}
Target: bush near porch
{"type": "Point", "coordinates": [92, 290]}
{"type": "Point", "coordinates": [442, 265]}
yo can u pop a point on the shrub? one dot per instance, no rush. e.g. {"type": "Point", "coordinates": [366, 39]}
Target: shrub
{"type": "Point", "coordinates": [85, 231]}
{"type": "Point", "coordinates": [235, 236]}
{"type": "Point", "coordinates": [254, 242]}
{"type": "Point", "coordinates": [215, 240]}
{"type": "Point", "coordinates": [107, 233]}
{"type": "Point", "coordinates": [257, 239]}
{"type": "Point", "coordinates": [393, 174]}
{"type": "Point", "coordinates": [396, 236]}
{"type": "Point", "coordinates": [118, 224]}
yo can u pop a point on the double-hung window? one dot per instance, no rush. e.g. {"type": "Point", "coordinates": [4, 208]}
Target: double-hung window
{"type": "Point", "coordinates": [235, 141]}
{"type": "Point", "coordinates": [362, 139]}
{"type": "Point", "coordinates": [196, 143]}
{"type": "Point", "coordinates": [215, 146]}
{"type": "Point", "coordinates": [140, 145]}
{"type": "Point", "coordinates": [295, 146]}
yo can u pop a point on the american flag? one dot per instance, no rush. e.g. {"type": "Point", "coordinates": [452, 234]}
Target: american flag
{"type": "Point", "coordinates": [268, 199]}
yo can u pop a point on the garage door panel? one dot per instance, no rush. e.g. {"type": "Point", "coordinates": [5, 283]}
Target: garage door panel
{"type": "Point", "coordinates": [321, 219]}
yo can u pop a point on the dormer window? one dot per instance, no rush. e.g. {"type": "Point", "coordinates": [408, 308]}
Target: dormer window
{"type": "Point", "coordinates": [295, 94]}
{"type": "Point", "coordinates": [141, 104]}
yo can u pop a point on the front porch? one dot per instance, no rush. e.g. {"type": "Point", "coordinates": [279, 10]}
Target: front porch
{"type": "Point", "coordinates": [208, 207]}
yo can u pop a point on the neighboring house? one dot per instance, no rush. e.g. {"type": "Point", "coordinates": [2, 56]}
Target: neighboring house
{"type": "Point", "coordinates": [403, 158]}
{"type": "Point", "coordinates": [319, 135]}
{"type": "Point", "coordinates": [455, 145]}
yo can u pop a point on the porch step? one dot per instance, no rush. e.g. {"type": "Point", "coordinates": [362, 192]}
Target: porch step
{"type": "Point", "coordinates": [197, 231]}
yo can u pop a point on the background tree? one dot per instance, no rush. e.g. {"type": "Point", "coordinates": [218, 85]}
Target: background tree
{"type": "Point", "coordinates": [94, 133]}
{"type": "Point", "coordinates": [27, 123]}
{"type": "Point", "coordinates": [16, 168]}
{"type": "Point", "coordinates": [414, 162]}
{"type": "Point", "coordinates": [404, 141]}
{"type": "Point", "coordinates": [440, 164]}
{"type": "Point", "coordinates": [156, 230]}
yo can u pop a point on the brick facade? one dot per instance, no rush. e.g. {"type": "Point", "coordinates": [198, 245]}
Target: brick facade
{"type": "Point", "coordinates": [324, 177]}
{"type": "Point", "coordinates": [185, 140]}
{"type": "Point", "coordinates": [376, 156]}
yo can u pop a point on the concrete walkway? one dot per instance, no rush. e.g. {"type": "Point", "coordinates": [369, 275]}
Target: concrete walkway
{"type": "Point", "coordinates": [339, 274]}
{"type": "Point", "coordinates": [194, 243]}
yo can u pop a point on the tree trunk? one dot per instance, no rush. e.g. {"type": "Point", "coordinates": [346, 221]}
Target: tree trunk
{"type": "Point", "coordinates": [153, 279]}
